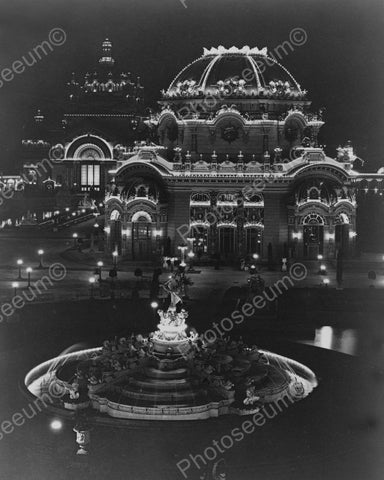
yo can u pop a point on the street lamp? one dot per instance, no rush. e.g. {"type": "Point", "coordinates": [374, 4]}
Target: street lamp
{"type": "Point", "coordinates": [19, 264]}
{"type": "Point", "coordinates": [56, 425]}
{"type": "Point", "coordinates": [29, 271]}
{"type": "Point", "coordinates": [326, 282]}
{"type": "Point", "coordinates": [92, 281]}
{"type": "Point", "coordinates": [75, 236]}
{"type": "Point", "coordinates": [99, 265]}
{"type": "Point", "coordinates": [319, 259]}
{"type": "Point", "coordinates": [255, 257]}
{"type": "Point", "coordinates": [154, 306]}
{"type": "Point", "coordinates": [15, 286]}
{"type": "Point", "coordinates": [323, 269]}
{"type": "Point", "coordinates": [190, 256]}
{"type": "Point", "coordinates": [182, 248]}
{"type": "Point", "coordinates": [115, 254]}
{"type": "Point", "coordinates": [40, 253]}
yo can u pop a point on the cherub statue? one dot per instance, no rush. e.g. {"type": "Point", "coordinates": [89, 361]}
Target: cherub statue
{"type": "Point", "coordinates": [74, 393]}
{"type": "Point", "coordinates": [251, 397]}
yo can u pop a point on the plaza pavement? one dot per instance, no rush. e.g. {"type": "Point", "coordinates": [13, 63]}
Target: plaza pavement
{"type": "Point", "coordinates": [58, 248]}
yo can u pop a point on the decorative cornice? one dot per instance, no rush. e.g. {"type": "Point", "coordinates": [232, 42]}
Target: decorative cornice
{"type": "Point", "coordinates": [246, 50]}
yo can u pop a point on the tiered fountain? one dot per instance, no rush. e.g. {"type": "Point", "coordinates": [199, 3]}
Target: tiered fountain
{"type": "Point", "coordinates": [173, 374]}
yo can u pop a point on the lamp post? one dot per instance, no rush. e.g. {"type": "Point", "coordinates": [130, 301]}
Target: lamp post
{"type": "Point", "coordinates": [75, 236]}
{"type": "Point", "coordinates": [29, 271]}
{"type": "Point", "coordinates": [40, 253]}
{"type": "Point", "coordinates": [182, 249]}
{"type": "Point", "coordinates": [191, 240]}
{"type": "Point", "coordinates": [319, 258]}
{"type": "Point", "coordinates": [154, 306]}
{"type": "Point", "coordinates": [190, 256]}
{"type": "Point", "coordinates": [99, 267]}
{"type": "Point", "coordinates": [323, 269]}
{"type": "Point", "coordinates": [19, 264]}
{"type": "Point", "coordinates": [255, 257]}
{"type": "Point", "coordinates": [15, 286]}
{"type": "Point", "coordinates": [115, 254]}
{"type": "Point", "coordinates": [92, 282]}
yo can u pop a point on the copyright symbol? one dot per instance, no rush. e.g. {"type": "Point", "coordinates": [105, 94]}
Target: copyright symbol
{"type": "Point", "coordinates": [298, 271]}
{"type": "Point", "coordinates": [298, 36]}
{"type": "Point", "coordinates": [57, 271]}
{"type": "Point", "coordinates": [55, 155]}
{"type": "Point", "coordinates": [57, 37]}
{"type": "Point", "coordinates": [56, 390]}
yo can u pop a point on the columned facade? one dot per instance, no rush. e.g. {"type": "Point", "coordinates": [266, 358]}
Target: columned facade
{"type": "Point", "coordinates": [301, 209]}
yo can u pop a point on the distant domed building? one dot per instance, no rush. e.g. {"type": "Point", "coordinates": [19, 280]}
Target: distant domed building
{"type": "Point", "coordinates": [100, 111]}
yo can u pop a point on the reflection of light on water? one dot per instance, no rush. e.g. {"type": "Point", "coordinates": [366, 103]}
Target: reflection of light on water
{"type": "Point", "coordinates": [324, 337]}
{"type": "Point", "coordinates": [348, 341]}
{"type": "Point", "coordinates": [344, 341]}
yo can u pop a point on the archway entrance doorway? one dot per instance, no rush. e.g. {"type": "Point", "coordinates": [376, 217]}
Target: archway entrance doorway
{"type": "Point", "coordinates": [227, 241]}
{"type": "Point", "coordinates": [141, 236]}
{"type": "Point", "coordinates": [313, 236]}
{"type": "Point", "coordinates": [253, 240]}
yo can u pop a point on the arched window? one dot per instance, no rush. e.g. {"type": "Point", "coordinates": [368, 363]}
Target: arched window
{"type": "Point", "coordinates": [115, 215]}
{"type": "Point", "coordinates": [226, 197]}
{"type": "Point", "coordinates": [313, 219]}
{"type": "Point", "coordinates": [200, 197]}
{"type": "Point", "coordinates": [141, 216]}
{"type": "Point", "coordinates": [254, 197]}
{"type": "Point", "coordinates": [342, 219]}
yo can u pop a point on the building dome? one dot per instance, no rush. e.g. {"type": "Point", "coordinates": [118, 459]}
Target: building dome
{"type": "Point", "coordinates": [239, 72]}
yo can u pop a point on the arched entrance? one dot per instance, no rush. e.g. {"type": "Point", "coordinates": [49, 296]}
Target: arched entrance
{"type": "Point", "coordinates": [313, 235]}
{"type": "Point", "coordinates": [141, 236]}
{"type": "Point", "coordinates": [200, 235]}
{"type": "Point", "coordinates": [253, 240]}
{"type": "Point", "coordinates": [227, 240]}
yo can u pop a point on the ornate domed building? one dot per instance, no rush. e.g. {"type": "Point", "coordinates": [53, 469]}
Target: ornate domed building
{"type": "Point", "coordinates": [229, 166]}
{"type": "Point", "coordinates": [241, 171]}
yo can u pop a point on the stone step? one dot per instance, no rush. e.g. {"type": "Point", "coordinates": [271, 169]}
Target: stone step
{"type": "Point", "coordinates": [153, 372]}
{"type": "Point", "coordinates": [161, 384]}
{"type": "Point", "coordinates": [162, 398]}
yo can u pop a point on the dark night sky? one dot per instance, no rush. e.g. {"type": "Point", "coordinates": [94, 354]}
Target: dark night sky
{"type": "Point", "coordinates": [341, 64]}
